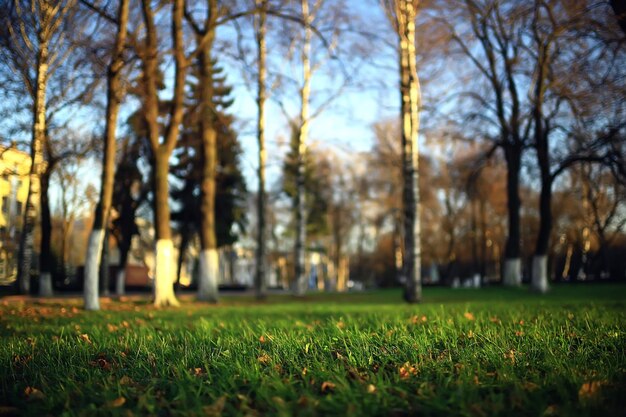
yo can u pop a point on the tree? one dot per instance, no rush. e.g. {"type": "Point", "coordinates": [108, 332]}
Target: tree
{"type": "Point", "coordinates": [260, 281]}
{"type": "Point", "coordinates": [103, 208]}
{"type": "Point", "coordinates": [402, 14]}
{"type": "Point", "coordinates": [35, 36]}
{"type": "Point", "coordinates": [230, 194]}
{"type": "Point", "coordinates": [162, 149]}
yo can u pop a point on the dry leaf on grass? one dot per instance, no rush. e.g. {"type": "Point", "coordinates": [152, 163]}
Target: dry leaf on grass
{"type": "Point", "coordinates": [215, 409]}
{"type": "Point", "coordinates": [590, 390]}
{"type": "Point", "coordinates": [33, 394]}
{"type": "Point", "coordinates": [468, 315]}
{"type": "Point", "coordinates": [327, 387]}
{"type": "Point", "coordinates": [407, 370]}
{"type": "Point", "coordinates": [118, 402]}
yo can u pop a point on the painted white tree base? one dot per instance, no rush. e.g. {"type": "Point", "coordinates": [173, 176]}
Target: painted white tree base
{"type": "Point", "coordinates": [120, 284]}
{"type": "Point", "coordinates": [539, 281]}
{"type": "Point", "coordinates": [45, 285]}
{"type": "Point", "coordinates": [512, 272]}
{"type": "Point", "coordinates": [208, 275]}
{"type": "Point", "coordinates": [163, 280]}
{"type": "Point", "coordinates": [92, 265]}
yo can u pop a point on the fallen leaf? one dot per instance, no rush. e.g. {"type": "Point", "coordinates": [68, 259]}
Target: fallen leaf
{"type": "Point", "coordinates": [198, 372]}
{"type": "Point", "coordinates": [264, 359]}
{"type": "Point", "coordinates": [262, 339]}
{"type": "Point", "coordinates": [468, 315]}
{"type": "Point", "coordinates": [102, 364]}
{"type": "Point", "coordinates": [407, 370]}
{"type": "Point", "coordinates": [494, 319]}
{"type": "Point", "coordinates": [85, 338]}
{"type": "Point", "coordinates": [304, 371]}
{"type": "Point", "coordinates": [530, 386]}
{"type": "Point", "coordinates": [418, 319]}
{"type": "Point", "coordinates": [371, 389]}
{"type": "Point", "coordinates": [215, 409]}
{"type": "Point", "coordinates": [33, 394]}
{"type": "Point", "coordinates": [118, 402]}
{"type": "Point", "coordinates": [470, 334]}
{"type": "Point", "coordinates": [341, 325]}
{"type": "Point", "coordinates": [126, 380]}
{"type": "Point", "coordinates": [590, 390]}
{"type": "Point", "coordinates": [112, 327]}
{"type": "Point", "coordinates": [519, 333]}
{"type": "Point", "coordinates": [327, 386]}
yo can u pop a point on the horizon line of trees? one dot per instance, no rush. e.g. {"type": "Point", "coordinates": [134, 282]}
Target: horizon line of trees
{"type": "Point", "coordinates": [537, 85]}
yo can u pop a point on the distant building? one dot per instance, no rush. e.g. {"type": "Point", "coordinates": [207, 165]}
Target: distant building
{"type": "Point", "coordinates": [14, 170]}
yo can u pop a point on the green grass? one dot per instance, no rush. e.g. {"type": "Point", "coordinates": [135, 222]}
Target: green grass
{"type": "Point", "coordinates": [462, 352]}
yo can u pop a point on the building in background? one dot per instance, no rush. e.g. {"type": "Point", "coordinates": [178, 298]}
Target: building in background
{"type": "Point", "coordinates": [14, 170]}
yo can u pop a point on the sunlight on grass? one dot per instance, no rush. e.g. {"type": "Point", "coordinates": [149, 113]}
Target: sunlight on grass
{"type": "Point", "coordinates": [492, 352]}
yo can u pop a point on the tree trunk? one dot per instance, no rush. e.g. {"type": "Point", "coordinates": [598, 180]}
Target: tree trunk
{"type": "Point", "coordinates": [260, 276]}
{"type": "Point", "coordinates": [539, 277]}
{"type": "Point", "coordinates": [164, 256]}
{"type": "Point", "coordinates": [164, 276]}
{"type": "Point", "coordinates": [512, 263]}
{"type": "Point", "coordinates": [124, 247]}
{"type": "Point", "coordinates": [96, 238]}
{"type": "Point", "coordinates": [209, 259]}
{"type": "Point", "coordinates": [410, 102]}
{"type": "Point", "coordinates": [104, 266]}
{"type": "Point", "coordinates": [27, 239]}
{"type": "Point", "coordinates": [45, 258]}
{"type": "Point", "coordinates": [300, 283]}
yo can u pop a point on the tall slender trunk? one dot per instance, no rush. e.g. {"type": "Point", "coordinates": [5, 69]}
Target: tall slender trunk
{"type": "Point", "coordinates": [104, 279]}
{"type": "Point", "coordinates": [184, 243]}
{"type": "Point", "coordinates": [209, 259]}
{"type": "Point", "coordinates": [120, 282]}
{"type": "Point", "coordinates": [409, 107]}
{"type": "Point", "coordinates": [539, 277]}
{"type": "Point", "coordinates": [27, 239]}
{"type": "Point", "coordinates": [164, 277]}
{"type": "Point", "coordinates": [45, 258]}
{"type": "Point", "coordinates": [513, 265]}
{"type": "Point", "coordinates": [260, 278]}
{"type": "Point", "coordinates": [103, 208]}
{"type": "Point", "coordinates": [303, 131]}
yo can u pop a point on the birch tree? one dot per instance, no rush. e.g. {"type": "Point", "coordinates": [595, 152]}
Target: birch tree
{"type": "Point", "coordinates": [402, 14]}
{"type": "Point", "coordinates": [35, 48]}
{"type": "Point", "coordinates": [103, 208]}
{"type": "Point", "coordinates": [261, 249]}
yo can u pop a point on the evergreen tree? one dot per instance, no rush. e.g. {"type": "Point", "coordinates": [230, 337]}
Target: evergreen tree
{"type": "Point", "coordinates": [231, 191]}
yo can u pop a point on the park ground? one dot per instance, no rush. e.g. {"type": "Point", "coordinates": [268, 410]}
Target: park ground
{"type": "Point", "coordinates": [485, 352]}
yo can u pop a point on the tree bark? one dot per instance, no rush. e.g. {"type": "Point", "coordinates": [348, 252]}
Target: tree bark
{"type": "Point", "coordinates": [209, 259]}
{"type": "Point", "coordinates": [409, 107]}
{"type": "Point", "coordinates": [512, 263]}
{"type": "Point", "coordinates": [164, 277]}
{"type": "Point", "coordinates": [260, 278]}
{"type": "Point", "coordinates": [103, 208]}
{"type": "Point", "coordinates": [27, 239]}
{"type": "Point", "coordinates": [300, 284]}
{"type": "Point", "coordinates": [45, 258]}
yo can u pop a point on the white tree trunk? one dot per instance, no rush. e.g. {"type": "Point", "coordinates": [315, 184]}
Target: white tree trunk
{"type": "Point", "coordinates": [92, 262]}
{"type": "Point", "coordinates": [539, 281]}
{"type": "Point", "coordinates": [208, 277]}
{"type": "Point", "coordinates": [512, 272]}
{"type": "Point", "coordinates": [45, 284]}
{"type": "Point", "coordinates": [164, 274]}
{"type": "Point", "coordinates": [120, 284]}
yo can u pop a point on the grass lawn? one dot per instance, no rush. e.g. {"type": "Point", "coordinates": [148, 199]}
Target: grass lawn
{"type": "Point", "coordinates": [462, 352]}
